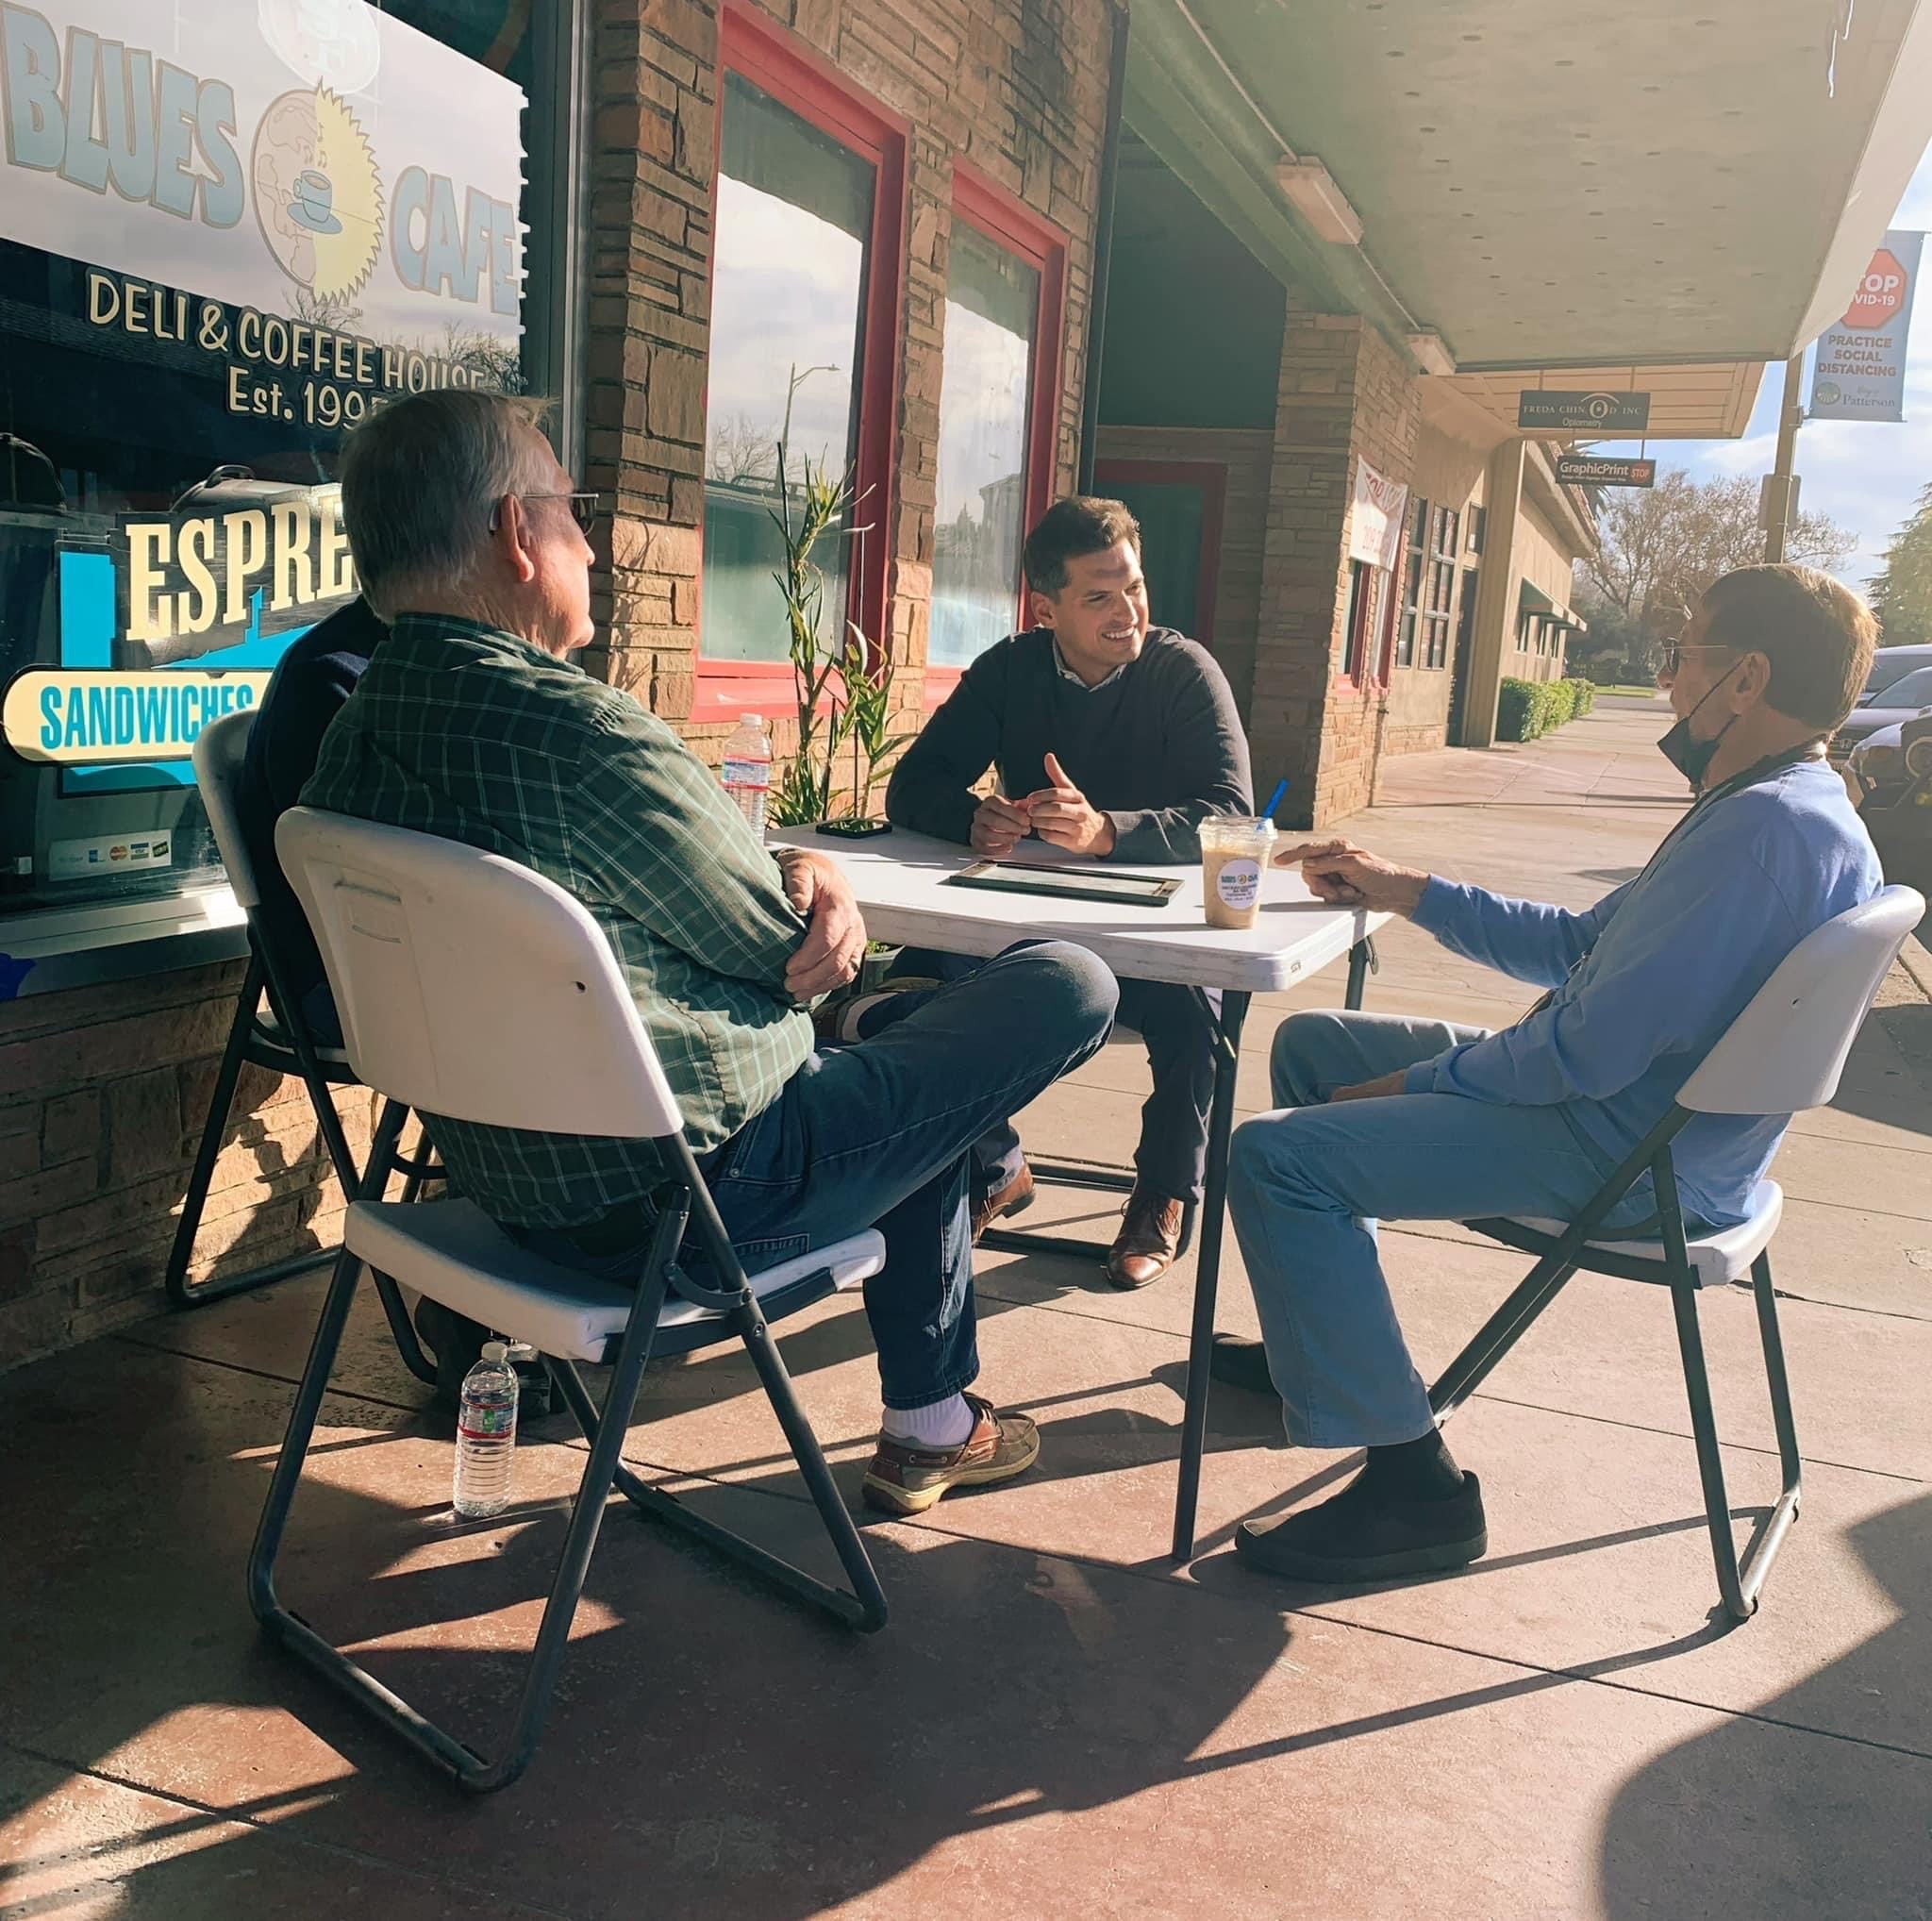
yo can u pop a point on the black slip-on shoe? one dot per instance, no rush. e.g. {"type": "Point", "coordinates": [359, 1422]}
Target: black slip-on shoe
{"type": "Point", "coordinates": [1362, 1535]}
{"type": "Point", "coordinates": [1237, 1362]}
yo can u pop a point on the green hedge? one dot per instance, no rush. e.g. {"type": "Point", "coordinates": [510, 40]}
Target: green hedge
{"type": "Point", "coordinates": [1528, 709]}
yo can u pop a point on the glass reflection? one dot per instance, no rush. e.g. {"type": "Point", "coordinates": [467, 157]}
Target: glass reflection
{"type": "Point", "coordinates": [992, 307]}
{"type": "Point", "coordinates": [788, 303]}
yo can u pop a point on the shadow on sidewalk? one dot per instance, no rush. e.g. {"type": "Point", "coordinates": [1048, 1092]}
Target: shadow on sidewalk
{"type": "Point", "coordinates": [1746, 1820]}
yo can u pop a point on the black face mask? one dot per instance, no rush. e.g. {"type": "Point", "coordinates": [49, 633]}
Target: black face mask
{"type": "Point", "coordinates": [1689, 756]}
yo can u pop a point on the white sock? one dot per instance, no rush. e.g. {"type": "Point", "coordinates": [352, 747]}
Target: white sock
{"type": "Point", "coordinates": [937, 1425]}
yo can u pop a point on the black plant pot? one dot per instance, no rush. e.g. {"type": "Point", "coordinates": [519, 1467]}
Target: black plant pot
{"type": "Point", "coordinates": [853, 829]}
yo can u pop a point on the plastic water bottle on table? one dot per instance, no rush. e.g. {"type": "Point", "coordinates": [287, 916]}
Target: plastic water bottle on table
{"type": "Point", "coordinates": [747, 770]}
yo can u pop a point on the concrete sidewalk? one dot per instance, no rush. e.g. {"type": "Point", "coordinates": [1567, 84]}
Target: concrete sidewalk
{"type": "Point", "coordinates": [1057, 1721]}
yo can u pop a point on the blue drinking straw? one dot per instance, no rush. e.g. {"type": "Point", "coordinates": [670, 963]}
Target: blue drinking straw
{"type": "Point", "coordinates": [1274, 801]}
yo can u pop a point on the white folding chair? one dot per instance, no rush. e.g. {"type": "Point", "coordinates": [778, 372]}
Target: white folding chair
{"type": "Point", "coordinates": [1781, 1056]}
{"type": "Point", "coordinates": [279, 1038]}
{"type": "Point", "coordinates": [429, 943]}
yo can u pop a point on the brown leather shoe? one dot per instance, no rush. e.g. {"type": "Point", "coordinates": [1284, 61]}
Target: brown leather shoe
{"type": "Point", "coordinates": [908, 1481]}
{"type": "Point", "coordinates": [1015, 1198]}
{"type": "Point", "coordinates": [1149, 1238]}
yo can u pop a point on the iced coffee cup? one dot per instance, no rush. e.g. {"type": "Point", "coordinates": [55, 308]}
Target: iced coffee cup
{"type": "Point", "coordinates": [1234, 857]}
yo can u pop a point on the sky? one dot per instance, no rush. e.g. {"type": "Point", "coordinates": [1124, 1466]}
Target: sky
{"type": "Point", "coordinates": [1865, 475]}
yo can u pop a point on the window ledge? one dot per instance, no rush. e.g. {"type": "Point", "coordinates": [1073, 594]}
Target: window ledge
{"type": "Point", "coordinates": [81, 947]}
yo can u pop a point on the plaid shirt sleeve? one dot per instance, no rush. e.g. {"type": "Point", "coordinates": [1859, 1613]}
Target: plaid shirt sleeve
{"type": "Point", "coordinates": [670, 849]}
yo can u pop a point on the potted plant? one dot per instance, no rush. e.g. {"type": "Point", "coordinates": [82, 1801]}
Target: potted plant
{"type": "Point", "coordinates": [853, 682]}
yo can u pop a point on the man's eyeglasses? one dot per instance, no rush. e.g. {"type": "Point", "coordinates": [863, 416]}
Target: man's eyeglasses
{"type": "Point", "coordinates": [585, 509]}
{"type": "Point", "coordinates": [1674, 653]}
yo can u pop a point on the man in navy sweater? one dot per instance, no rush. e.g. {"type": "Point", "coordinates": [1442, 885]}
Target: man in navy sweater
{"type": "Point", "coordinates": [1111, 741]}
{"type": "Point", "coordinates": [312, 680]}
{"type": "Point", "coordinates": [1394, 1119]}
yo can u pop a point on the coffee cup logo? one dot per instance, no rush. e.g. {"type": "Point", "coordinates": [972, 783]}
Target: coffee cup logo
{"type": "Point", "coordinates": [1239, 884]}
{"type": "Point", "coordinates": [318, 197]}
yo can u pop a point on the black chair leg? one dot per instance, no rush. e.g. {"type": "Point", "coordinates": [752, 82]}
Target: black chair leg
{"type": "Point", "coordinates": [470, 1769]}
{"type": "Point", "coordinates": [181, 1291]}
{"type": "Point", "coordinates": [1711, 1466]}
{"type": "Point", "coordinates": [1773, 1343]}
{"type": "Point", "coordinates": [864, 1607]}
{"type": "Point", "coordinates": [382, 1154]}
{"type": "Point", "coordinates": [1770, 1536]}
{"type": "Point", "coordinates": [1499, 1333]}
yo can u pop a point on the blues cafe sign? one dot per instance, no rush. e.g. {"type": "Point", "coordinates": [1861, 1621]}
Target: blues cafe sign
{"type": "Point", "coordinates": [293, 157]}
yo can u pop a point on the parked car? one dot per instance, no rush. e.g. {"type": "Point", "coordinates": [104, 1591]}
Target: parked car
{"type": "Point", "coordinates": [1889, 665]}
{"type": "Point", "coordinates": [1904, 700]}
{"type": "Point", "coordinates": [1894, 770]}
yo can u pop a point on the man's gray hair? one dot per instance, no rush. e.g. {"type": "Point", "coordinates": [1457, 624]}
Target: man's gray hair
{"type": "Point", "coordinates": [421, 478]}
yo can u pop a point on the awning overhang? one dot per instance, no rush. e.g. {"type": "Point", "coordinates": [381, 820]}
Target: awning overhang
{"type": "Point", "coordinates": [1649, 196]}
{"type": "Point", "coordinates": [1530, 598]}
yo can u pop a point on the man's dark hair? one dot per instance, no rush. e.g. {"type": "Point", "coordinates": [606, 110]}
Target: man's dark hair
{"type": "Point", "coordinates": [1079, 525]}
{"type": "Point", "coordinates": [1817, 634]}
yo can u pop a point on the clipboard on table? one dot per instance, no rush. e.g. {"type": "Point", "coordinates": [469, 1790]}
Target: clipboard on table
{"type": "Point", "coordinates": [1067, 883]}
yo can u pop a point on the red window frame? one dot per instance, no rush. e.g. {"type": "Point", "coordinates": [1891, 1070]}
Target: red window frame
{"type": "Point", "coordinates": [756, 49]}
{"type": "Point", "coordinates": [1007, 220]}
{"type": "Point", "coordinates": [1210, 476]}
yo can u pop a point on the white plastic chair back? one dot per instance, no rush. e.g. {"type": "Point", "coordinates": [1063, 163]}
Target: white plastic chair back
{"type": "Point", "coordinates": [220, 749]}
{"type": "Point", "coordinates": [1784, 1052]}
{"type": "Point", "coordinates": [470, 986]}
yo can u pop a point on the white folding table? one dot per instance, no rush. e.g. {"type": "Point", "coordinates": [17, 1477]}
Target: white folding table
{"type": "Point", "coordinates": [900, 882]}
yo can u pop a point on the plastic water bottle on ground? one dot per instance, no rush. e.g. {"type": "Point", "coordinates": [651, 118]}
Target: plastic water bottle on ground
{"type": "Point", "coordinates": [486, 1435]}
{"type": "Point", "coordinates": [747, 771]}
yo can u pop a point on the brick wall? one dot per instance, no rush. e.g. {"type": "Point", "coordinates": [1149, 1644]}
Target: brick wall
{"type": "Point", "coordinates": [1345, 395]}
{"type": "Point", "coordinates": [1015, 87]}
{"type": "Point", "coordinates": [103, 1092]}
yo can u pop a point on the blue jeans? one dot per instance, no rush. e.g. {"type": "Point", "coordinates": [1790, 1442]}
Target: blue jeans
{"type": "Point", "coordinates": [876, 1135]}
{"type": "Point", "coordinates": [1307, 1185]}
{"type": "Point", "coordinates": [1171, 1156]}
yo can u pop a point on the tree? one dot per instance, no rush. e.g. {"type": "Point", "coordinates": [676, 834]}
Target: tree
{"type": "Point", "coordinates": [739, 449]}
{"type": "Point", "coordinates": [1659, 547]}
{"type": "Point", "coordinates": [1902, 592]}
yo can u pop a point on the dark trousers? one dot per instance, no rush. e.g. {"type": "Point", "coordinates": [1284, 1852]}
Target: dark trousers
{"type": "Point", "coordinates": [1171, 1156]}
{"type": "Point", "coordinates": [877, 1135]}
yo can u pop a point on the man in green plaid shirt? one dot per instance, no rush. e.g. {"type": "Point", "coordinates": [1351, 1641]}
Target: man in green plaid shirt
{"type": "Point", "coordinates": [471, 723]}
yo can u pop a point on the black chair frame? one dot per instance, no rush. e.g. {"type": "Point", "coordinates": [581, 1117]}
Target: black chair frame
{"type": "Point", "coordinates": [288, 1046]}
{"type": "Point", "coordinates": [683, 1202]}
{"type": "Point", "coordinates": [1740, 1578]}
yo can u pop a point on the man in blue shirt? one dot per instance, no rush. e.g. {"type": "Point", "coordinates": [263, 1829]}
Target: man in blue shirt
{"type": "Point", "coordinates": [1388, 1118]}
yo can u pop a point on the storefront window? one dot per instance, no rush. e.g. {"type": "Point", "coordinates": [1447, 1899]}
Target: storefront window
{"type": "Point", "coordinates": [1441, 588]}
{"type": "Point", "coordinates": [1414, 559]}
{"type": "Point", "coordinates": [993, 314]}
{"type": "Point", "coordinates": [1362, 596]}
{"type": "Point", "coordinates": [795, 221]}
{"type": "Point", "coordinates": [227, 233]}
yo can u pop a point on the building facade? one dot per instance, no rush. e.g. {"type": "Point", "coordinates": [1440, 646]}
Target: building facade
{"type": "Point", "coordinates": [971, 253]}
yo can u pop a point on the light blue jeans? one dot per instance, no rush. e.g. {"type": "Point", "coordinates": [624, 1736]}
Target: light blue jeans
{"type": "Point", "coordinates": [1307, 1183]}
